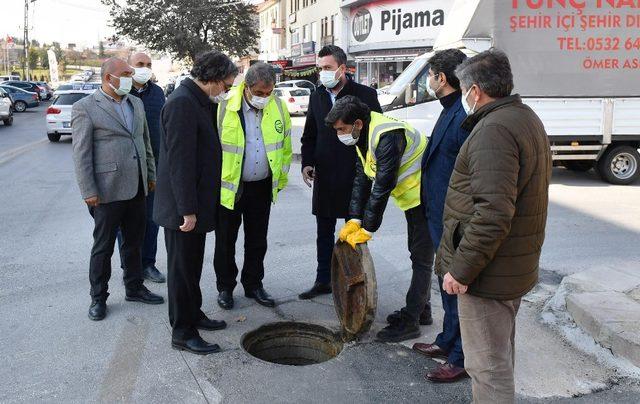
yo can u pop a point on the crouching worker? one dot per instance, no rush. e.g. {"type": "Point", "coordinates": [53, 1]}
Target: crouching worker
{"type": "Point", "coordinates": [390, 154]}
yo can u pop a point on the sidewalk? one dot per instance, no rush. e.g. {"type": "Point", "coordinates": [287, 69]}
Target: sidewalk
{"type": "Point", "coordinates": [605, 302]}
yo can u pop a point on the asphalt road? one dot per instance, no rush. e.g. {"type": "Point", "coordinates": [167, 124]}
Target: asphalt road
{"type": "Point", "coordinates": [51, 352]}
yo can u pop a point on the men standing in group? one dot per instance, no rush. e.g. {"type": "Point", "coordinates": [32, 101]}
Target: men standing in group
{"type": "Point", "coordinates": [437, 166]}
{"type": "Point", "coordinates": [153, 100]}
{"type": "Point", "coordinates": [390, 153]}
{"type": "Point", "coordinates": [115, 169]}
{"type": "Point", "coordinates": [255, 130]}
{"type": "Point", "coordinates": [326, 162]}
{"type": "Point", "coordinates": [188, 193]}
{"type": "Point", "coordinates": [494, 221]}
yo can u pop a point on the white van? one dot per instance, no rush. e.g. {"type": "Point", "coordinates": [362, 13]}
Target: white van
{"type": "Point", "coordinates": [12, 77]}
{"type": "Point", "coordinates": [591, 116]}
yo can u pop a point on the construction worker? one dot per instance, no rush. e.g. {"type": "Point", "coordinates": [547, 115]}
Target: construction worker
{"type": "Point", "coordinates": [390, 155]}
{"type": "Point", "coordinates": [255, 132]}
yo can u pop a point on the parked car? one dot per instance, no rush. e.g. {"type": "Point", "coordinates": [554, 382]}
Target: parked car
{"type": "Point", "coordinates": [11, 77]}
{"type": "Point", "coordinates": [297, 84]}
{"type": "Point", "coordinates": [21, 99]}
{"type": "Point", "coordinates": [297, 99]}
{"type": "Point", "coordinates": [48, 90]}
{"type": "Point", "coordinates": [29, 86]}
{"type": "Point", "coordinates": [59, 113]}
{"type": "Point", "coordinates": [6, 108]}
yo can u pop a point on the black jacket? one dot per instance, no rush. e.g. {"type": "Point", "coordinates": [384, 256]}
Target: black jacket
{"type": "Point", "coordinates": [369, 204]}
{"type": "Point", "coordinates": [333, 161]}
{"type": "Point", "coordinates": [153, 99]}
{"type": "Point", "coordinates": [190, 160]}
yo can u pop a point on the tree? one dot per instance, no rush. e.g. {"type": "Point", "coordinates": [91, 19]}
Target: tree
{"type": "Point", "coordinates": [44, 57]}
{"type": "Point", "coordinates": [185, 28]}
{"type": "Point", "coordinates": [101, 49]}
{"type": "Point", "coordinates": [33, 57]}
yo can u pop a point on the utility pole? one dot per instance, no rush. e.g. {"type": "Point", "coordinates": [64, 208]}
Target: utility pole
{"type": "Point", "coordinates": [26, 39]}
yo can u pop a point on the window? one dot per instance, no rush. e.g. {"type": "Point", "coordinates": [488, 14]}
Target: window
{"type": "Point", "coordinates": [333, 18]}
{"type": "Point", "coordinates": [299, 93]}
{"type": "Point", "coordinates": [277, 93]}
{"type": "Point", "coordinates": [68, 99]}
{"type": "Point", "coordinates": [305, 33]}
{"type": "Point", "coordinates": [295, 36]}
{"type": "Point", "coordinates": [305, 3]}
{"type": "Point", "coordinates": [314, 32]}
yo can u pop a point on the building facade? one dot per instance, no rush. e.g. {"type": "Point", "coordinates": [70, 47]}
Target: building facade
{"type": "Point", "coordinates": [272, 28]}
{"type": "Point", "coordinates": [384, 36]}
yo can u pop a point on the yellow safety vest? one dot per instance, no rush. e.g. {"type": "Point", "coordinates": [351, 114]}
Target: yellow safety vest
{"type": "Point", "coordinates": [406, 194]}
{"type": "Point", "coordinates": [276, 135]}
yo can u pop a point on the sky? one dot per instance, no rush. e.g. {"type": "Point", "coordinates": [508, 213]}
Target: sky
{"type": "Point", "coordinates": [83, 22]}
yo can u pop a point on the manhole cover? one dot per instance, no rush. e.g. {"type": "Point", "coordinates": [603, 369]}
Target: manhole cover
{"type": "Point", "coordinates": [291, 343]}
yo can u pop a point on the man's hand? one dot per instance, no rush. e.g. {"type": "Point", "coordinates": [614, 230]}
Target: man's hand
{"type": "Point", "coordinates": [189, 223]}
{"type": "Point", "coordinates": [152, 186]}
{"type": "Point", "coordinates": [452, 286]}
{"type": "Point", "coordinates": [308, 174]}
{"type": "Point", "coordinates": [93, 201]}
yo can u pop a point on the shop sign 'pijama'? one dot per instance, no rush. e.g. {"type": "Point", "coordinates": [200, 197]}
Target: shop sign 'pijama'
{"type": "Point", "coordinates": [394, 21]}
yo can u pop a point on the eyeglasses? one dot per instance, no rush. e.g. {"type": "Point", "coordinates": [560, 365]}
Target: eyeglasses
{"type": "Point", "coordinates": [227, 86]}
{"type": "Point", "coordinates": [435, 75]}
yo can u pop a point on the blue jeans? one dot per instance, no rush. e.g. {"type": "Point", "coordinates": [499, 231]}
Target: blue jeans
{"type": "Point", "coordinates": [450, 339]}
{"type": "Point", "coordinates": [150, 243]}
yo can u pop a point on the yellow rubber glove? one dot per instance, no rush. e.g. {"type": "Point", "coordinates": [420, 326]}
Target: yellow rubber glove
{"type": "Point", "coordinates": [351, 226]}
{"type": "Point", "coordinates": [359, 237]}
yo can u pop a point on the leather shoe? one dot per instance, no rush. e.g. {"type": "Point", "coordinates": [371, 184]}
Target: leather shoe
{"type": "Point", "coordinates": [151, 273]}
{"type": "Point", "coordinates": [316, 290]}
{"type": "Point", "coordinates": [225, 300]}
{"type": "Point", "coordinates": [98, 310]}
{"type": "Point", "coordinates": [446, 373]}
{"type": "Point", "coordinates": [401, 331]}
{"type": "Point", "coordinates": [195, 345]}
{"type": "Point", "coordinates": [261, 296]}
{"type": "Point", "coordinates": [430, 350]}
{"type": "Point", "coordinates": [144, 295]}
{"type": "Point", "coordinates": [425, 317]}
{"type": "Point", "coordinates": [211, 325]}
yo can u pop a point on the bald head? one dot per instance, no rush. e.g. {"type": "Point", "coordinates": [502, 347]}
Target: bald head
{"type": "Point", "coordinates": [140, 59]}
{"type": "Point", "coordinates": [115, 67]}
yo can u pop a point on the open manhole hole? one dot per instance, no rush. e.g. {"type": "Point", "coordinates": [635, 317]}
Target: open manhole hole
{"type": "Point", "coordinates": [292, 343]}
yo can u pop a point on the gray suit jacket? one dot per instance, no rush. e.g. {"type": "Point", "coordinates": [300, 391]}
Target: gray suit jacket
{"type": "Point", "coordinates": [106, 154]}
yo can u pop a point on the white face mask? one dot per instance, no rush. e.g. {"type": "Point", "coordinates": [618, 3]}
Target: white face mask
{"type": "Point", "coordinates": [142, 75]}
{"type": "Point", "coordinates": [220, 98]}
{"type": "Point", "coordinates": [328, 78]}
{"type": "Point", "coordinates": [348, 138]}
{"type": "Point", "coordinates": [258, 102]}
{"type": "Point", "coordinates": [431, 91]}
{"type": "Point", "coordinates": [465, 104]}
{"type": "Point", "coordinates": [125, 85]}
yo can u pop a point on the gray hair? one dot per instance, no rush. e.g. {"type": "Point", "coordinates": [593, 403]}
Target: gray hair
{"type": "Point", "coordinates": [490, 70]}
{"type": "Point", "coordinates": [260, 72]}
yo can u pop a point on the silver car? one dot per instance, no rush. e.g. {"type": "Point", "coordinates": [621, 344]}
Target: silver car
{"type": "Point", "coordinates": [6, 108]}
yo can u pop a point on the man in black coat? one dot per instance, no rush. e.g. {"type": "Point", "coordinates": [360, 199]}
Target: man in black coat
{"type": "Point", "coordinates": [188, 193]}
{"type": "Point", "coordinates": [326, 162]}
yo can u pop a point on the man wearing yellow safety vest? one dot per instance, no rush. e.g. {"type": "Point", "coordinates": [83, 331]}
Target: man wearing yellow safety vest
{"type": "Point", "coordinates": [390, 155]}
{"type": "Point", "coordinates": [255, 132]}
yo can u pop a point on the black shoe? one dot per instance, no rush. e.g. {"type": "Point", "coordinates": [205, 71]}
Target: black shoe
{"type": "Point", "coordinates": [144, 295]}
{"type": "Point", "coordinates": [211, 325]}
{"type": "Point", "coordinates": [225, 300]}
{"type": "Point", "coordinates": [261, 296]}
{"type": "Point", "coordinates": [317, 290]}
{"type": "Point", "coordinates": [98, 310]}
{"type": "Point", "coordinates": [400, 331]}
{"type": "Point", "coordinates": [425, 317]}
{"type": "Point", "coordinates": [151, 273]}
{"type": "Point", "coordinates": [196, 345]}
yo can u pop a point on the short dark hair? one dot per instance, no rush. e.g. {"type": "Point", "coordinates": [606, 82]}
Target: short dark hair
{"type": "Point", "coordinates": [446, 61]}
{"type": "Point", "coordinates": [335, 51]}
{"type": "Point", "coordinates": [490, 70]}
{"type": "Point", "coordinates": [348, 109]}
{"type": "Point", "coordinates": [213, 66]}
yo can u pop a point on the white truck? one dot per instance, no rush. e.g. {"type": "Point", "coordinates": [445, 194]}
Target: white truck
{"type": "Point", "coordinates": [574, 62]}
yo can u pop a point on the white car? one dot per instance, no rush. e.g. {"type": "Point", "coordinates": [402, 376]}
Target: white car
{"type": "Point", "coordinates": [297, 99]}
{"type": "Point", "coordinates": [10, 78]}
{"type": "Point", "coordinates": [6, 108]}
{"type": "Point", "coordinates": [59, 113]}
{"type": "Point", "coordinates": [297, 84]}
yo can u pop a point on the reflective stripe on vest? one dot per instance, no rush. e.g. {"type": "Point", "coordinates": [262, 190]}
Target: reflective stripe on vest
{"type": "Point", "coordinates": [406, 194]}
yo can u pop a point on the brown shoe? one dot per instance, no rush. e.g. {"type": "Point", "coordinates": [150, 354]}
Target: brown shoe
{"type": "Point", "coordinates": [430, 350]}
{"type": "Point", "coordinates": [446, 373]}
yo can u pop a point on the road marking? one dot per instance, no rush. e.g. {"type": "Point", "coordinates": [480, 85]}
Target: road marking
{"type": "Point", "coordinates": [13, 153]}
